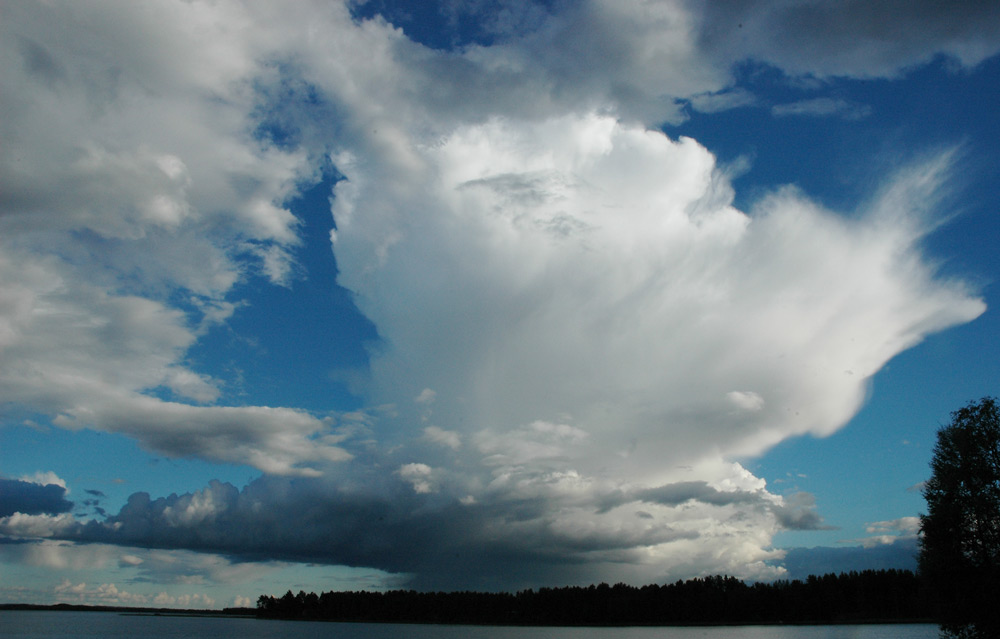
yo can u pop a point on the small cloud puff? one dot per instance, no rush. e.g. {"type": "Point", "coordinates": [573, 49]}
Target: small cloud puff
{"type": "Point", "coordinates": [798, 512]}
{"type": "Point", "coordinates": [130, 560]}
{"type": "Point", "coordinates": [448, 438]}
{"type": "Point", "coordinates": [426, 396]}
{"type": "Point", "coordinates": [45, 478]}
{"type": "Point", "coordinates": [903, 525]}
{"type": "Point", "coordinates": [889, 532]}
{"type": "Point", "coordinates": [746, 400]}
{"type": "Point", "coordinates": [418, 475]}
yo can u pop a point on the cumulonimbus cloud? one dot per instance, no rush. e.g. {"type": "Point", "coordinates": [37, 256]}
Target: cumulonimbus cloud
{"type": "Point", "coordinates": [599, 329]}
{"type": "Point", "coordinates": [579, 270]}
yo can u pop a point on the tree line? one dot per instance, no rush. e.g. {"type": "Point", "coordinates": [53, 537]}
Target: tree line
{"type": "Point", "coordinates": [866, 596]}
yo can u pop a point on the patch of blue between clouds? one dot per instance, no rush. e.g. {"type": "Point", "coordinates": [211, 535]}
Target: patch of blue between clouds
{"type": "Point", "coordinates": [454, 25]}
{"type": "Point", "coordinates": [295, 345]}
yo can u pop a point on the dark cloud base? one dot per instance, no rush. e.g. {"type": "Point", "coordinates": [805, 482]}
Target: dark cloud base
{"type": "Point", "coordinates": [26, 497]}
{"type": "Point", "coordinates": [436, 542]}
{"type": "Point", "coordinates": [441, 546]}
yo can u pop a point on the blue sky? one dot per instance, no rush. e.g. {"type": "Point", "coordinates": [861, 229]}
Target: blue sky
{"type": "Point", "coordinates": [483, 295]}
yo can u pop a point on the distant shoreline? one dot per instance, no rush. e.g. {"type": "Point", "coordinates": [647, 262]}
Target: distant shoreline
{"type": "Point", "coordinates": [869, 597]}
{"type": "Point", "coordinates": [143, 611]}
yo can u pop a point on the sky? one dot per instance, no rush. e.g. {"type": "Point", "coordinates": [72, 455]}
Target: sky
{"type": "Point", "coordinates": [485, 295]}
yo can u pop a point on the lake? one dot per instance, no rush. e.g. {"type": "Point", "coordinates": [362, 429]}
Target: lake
{"type": "Point", "coordinates": [109, 625]}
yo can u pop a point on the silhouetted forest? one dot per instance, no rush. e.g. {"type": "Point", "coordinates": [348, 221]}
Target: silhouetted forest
{"type": "Point", "coordinates": [868, 596]}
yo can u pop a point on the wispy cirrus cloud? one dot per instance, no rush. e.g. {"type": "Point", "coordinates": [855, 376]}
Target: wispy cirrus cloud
{"type": "Point", "coordinates": [822, 107]}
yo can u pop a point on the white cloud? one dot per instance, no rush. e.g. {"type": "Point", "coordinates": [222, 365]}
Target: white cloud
{"type": "Point", "coordinates": [746, 400]}
{"type": "Point", "coordinates": [197, 600]}
{"type": "Point", "coordinates": [887, 533]}
{"type": "Point", "coordinates": [131, 560]}
{"type": "Point", "coordinates": [552, 205]}
{"type": "Point", "coordinates": [28, 526]}
{"type": "Point", "coordinates": [195, 508]}
{"type": "Point", "coordinates": [45, 478]}
{"type": "Point", "coordinates": [419, 476]}
{"type": "Point", "coordinates": [109, 594]}
{"type": "Point", "coordinates": [88, 357]}
{"type": "Point", "coordinates": [448, 438]}
{"type": "Point", "coordinates": [426, 396]}
{"type": "Point", "coordinates": [615, 283]}
{"type": "Point", "coordinates": [903, 525]}
{"type": "Point", "coordinates": [163, 192]}
{"type": "Point", "coordinates": [537, 442]}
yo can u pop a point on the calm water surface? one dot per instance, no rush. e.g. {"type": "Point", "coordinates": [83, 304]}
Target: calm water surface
{"type": "Point", "coordinates": [107, 625]}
